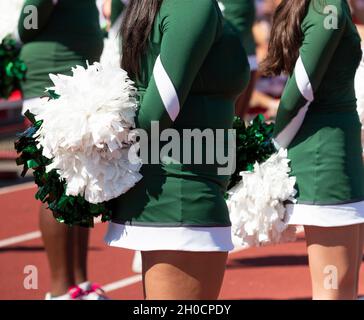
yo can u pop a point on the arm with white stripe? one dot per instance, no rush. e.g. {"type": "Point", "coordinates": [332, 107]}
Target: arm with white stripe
{"type": "Point", "coordinates": [189, 29]}
{"type": "Point", "coordinates": [43, 14]}
{"type": "Point", "coordinates": [318, 47]}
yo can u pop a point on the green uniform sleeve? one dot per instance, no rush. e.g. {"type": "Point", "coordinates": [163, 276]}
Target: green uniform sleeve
{"type": "Point", "coordinates": [189, 28]}
{"type": "Point", "coordinates": [241, 15]}
{"type": "Point", "coordinates": [44, 10]}
{"type": "Point", "coordinates": [321, 37]}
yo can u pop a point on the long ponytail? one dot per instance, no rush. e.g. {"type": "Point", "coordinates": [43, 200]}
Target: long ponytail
{"type": "Point", "coordinates": [286, 37]}
{"type": "Point", "coordinates": [135, 30]}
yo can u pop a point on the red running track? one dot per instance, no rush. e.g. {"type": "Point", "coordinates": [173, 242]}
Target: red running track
{"type": "Point", "coordinates": [274, 272]}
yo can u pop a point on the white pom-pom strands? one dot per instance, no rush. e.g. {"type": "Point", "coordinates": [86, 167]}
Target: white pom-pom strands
{"type": "Point", "coordinates": [256, 204]}
{"type": "Point", "coordinates": [86, 131]}
{"type": "Point", "coordinates": [9, 16]}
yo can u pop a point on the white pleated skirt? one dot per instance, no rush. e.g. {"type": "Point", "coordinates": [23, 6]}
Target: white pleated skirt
{"type": "Point", "coordinates": [149, 238]}
{"type": "Point", "coordinates": [326, 216]}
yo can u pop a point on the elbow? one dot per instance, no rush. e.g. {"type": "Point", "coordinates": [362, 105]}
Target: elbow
{"type": "Point", "coordinates": [141, 121]}
{"type": "Point", "coordinates": [152, 122]}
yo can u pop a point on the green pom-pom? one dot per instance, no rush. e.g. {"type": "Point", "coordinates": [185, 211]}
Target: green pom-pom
{"type": "Point", "coordinates": [12, 69]}
{"type": "Point", "coordinates": [253, 144]}
{"type": "Point", "coordinates": [51, 189]}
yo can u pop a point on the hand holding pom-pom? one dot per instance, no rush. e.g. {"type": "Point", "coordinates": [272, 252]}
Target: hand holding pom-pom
{"type": "Point", "coordinates": [256, 198]}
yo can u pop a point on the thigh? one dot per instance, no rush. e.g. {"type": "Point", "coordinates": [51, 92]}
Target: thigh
{"type": "Point", "coordinates": [182, 275]}
{"type": "Point", "coordinates": [333, 254]}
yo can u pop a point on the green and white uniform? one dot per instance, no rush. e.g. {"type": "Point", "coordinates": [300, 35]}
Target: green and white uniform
{"type": "Point", "coordinates": [318, 122]}
{"type": "Point", "coordinates": [67, 35]}
{"type": "Point", "coordinates": [186, 82]}
{"type": "Point", "coordinates": [240, 14]}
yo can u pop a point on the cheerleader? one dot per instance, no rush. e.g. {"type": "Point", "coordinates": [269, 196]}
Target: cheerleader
{"type": "Point", "coordinates": [68, 33]}
{"type": "Point", "coordinates": [240, 15]}
{"type": "Point", "coordinates": [176, 215]}
{"type": "Point", "coordinates": [317, 121]}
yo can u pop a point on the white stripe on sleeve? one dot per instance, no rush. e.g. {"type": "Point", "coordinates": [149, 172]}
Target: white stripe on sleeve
{"type": "Point", "coordinates": [166, 89]}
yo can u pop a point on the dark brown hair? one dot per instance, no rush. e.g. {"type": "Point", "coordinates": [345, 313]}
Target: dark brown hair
{"type": "Point", "coordinates": [286, 37]}
{"type": "Point", "coordinates": [135, 30]}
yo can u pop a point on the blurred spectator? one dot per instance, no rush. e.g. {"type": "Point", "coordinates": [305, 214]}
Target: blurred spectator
{"type": "Point", "coordinates": [265, 96]}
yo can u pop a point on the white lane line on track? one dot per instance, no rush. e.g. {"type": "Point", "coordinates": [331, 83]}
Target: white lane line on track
{"type": "Point", "coordinates": [122, 283]}
{"type": "Point", "coordinates": [18, 187]}
{"type": "Point", "coordinates": [36, 234]}
{"type": "Point", "coordinates": [22, 238]}
{"type": "Point", "coordinates": [26, 237]}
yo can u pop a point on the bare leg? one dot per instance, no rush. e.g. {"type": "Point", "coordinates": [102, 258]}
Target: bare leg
{"type": "Point", "coordinates": [178, 275]}
{"type": "Point", "coordinates": [58, 243]}
{"type": "Point", "coordinates": [80, 249]}
{"type": "Point", "coordinates": [360, 255]}
{"type": "Point", "coordinates": [333, 258]}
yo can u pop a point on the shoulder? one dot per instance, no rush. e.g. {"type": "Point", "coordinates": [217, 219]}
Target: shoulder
{"type": "Point", "coordinates": [321, 9]}
{"type": "Point", "coordinates": [333, 12]}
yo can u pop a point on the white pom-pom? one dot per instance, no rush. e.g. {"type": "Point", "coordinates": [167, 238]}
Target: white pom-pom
{"type": "Point", "coordinates": [9, 16]}
{"type": "Point", "coordinates": [111, 52]}
{"type": "Point", "coordinates": [256, 203]}
{"type": "Point", "coordinates": [88, 132]}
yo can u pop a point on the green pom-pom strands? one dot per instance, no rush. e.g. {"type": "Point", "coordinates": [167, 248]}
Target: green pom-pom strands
{"type": "Point", "coordinates": [69, 210]}
{"type": "Point", "coordinates": [253, 144]}
{"type": "Point", "coordinates": [12, 69]}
